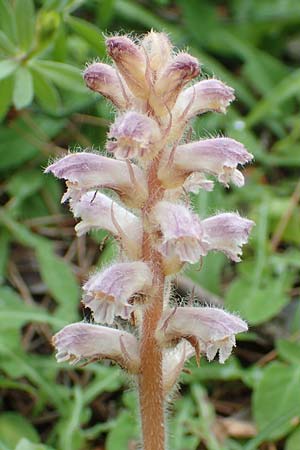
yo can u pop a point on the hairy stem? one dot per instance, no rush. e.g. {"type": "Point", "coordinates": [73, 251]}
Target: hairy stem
{"type": "Point", "coordinates": [150, 379]}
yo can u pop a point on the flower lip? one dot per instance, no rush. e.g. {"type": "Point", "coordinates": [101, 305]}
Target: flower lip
{"type": "Point", "coordinates": [208, 329]}
{"type": "Point", "coordinates": [108, 293]}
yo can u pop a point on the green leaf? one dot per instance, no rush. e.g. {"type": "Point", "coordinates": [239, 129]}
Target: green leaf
{"type": "Point", "coordinates": [46, 94]}
{"type": "Point", "coordinates": [6, 45]}
{"type": "Point", "coordinates": [124, 431]}
{"type": "Point", "coordinates": [63, 75]}
{"type": "Point", "coordinates": [293, 441]}
{"type": "Point", "coordinates": [25, 20]}
{"type": "Point", "coordinates": [6, 92]}
{"type": "Point", "coordinates": [25, 444]}
{"type": "Point", "coordinates": [60, 280]}
{"type": "Point", "coordinates": [289, 351]}
{"type": "Point", "coordinates": [89, 33]}
{"type": "Point", "coordinates": [277, 396]}
{"type": "Point", "coordinates": [23, 88]}
{"type": "Point", "coordinates": [4, 252]}
{"type": "Point", "coordinates": [13, 427]}
{"type": "Point", "coordinates": [258, 302]}
{"type": "Point", "coordinates": [7, 67]}
{"type": "Point", "coordinates": [7, 20]}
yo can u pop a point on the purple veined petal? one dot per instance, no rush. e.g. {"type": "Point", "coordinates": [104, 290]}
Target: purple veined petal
{"type": "Point", "coordinates": [181, 231]}
{"type": "Point", "coordinates": [107, 293]}
{"type": "Point", "coordinates": [84, 171]}
{"type": "Point", "coordinates": [227, 233]}
{"type": "Point", "coordinates": [180, 70]}
{"type": "Point", "coordinates": [105, 80]}
{"type": "Point", "coordinates": [130, 60]}
{"type": "Point", "coordinates": [173, 363]}
{"type": "Point", "coordinates": [84, 342]}
{"type": "Point", "coordinates": [158, 49]}
{"type": "Point", "coordinates": [219, 157]}
{"type": "Point", "coordinates": [97, 211]}
{"type": "Point", "coordinates": [134, 135]}
{"type": "Point", "coordinates": [206, 95]}
{"type": "Point", "coordinates": [213, 329]}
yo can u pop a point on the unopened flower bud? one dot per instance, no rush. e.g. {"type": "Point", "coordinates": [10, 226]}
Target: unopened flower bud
{"type": "Point", "coordinates": [131, 63]}
{"type": "Point", "coordinates": [207, 95]}
{"type": "Point", "coordinates": [134, 135]}
{"type": "Point", "coordinates": [84, 342]}
{"type": "Point", "coordinates": [219, 157]}
{"type": "Point", "coordinates": [98, 211]}
{"type": "Point", "coordinates": [227, 233]}
{"type": "Point", "coordinates": [182, 69]}
{"type": "Point", "coordinates": [84, 171]}
{"type": "Point", "coordinates": [182, 234]}
{"type": "Point", "coordinates": [110, 292]}
{"type": "Point", "coordinates": [105, 80]}
{"type": "Point", "coordinates": [209, 330]}
{"type": "Point", "coordinates": [158, 48]}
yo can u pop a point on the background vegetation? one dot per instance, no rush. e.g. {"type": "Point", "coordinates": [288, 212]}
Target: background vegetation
{"type": "Point", "coordinates": [251, 402]}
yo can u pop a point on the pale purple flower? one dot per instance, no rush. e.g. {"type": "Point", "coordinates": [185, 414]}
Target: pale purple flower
{"type": "Point", "coordinates": [180, 70]}
{"type": "Point", "coordinates": [84, 171]}
{"type": "Point", "coordinates": [105, 80]}
{"type": "Point", "coordinates": [209, 330]}
{"type": "Point", "coordinates": [182, 234]}
{"type": "Point", "coordinates": [98, 211]}
{"type": "Point", "coordinates": [219, 157]}
{"type": "Point", "coordinates": [130, 60]}
{"type": "Point", "coordinates": [109, 293]}
{"type": "Point", "coordinates": [227, 233]}
{"type": "Point", "coordinates": [84, 342]}
{"type": "Point", "coordinates": [206, 95]}
{"type": "Point", "coordinates": [196, 181]}
{"type": "Point", "coordinates": [133, 135]}
{"type": "Point", "coordinates": [158, 48]}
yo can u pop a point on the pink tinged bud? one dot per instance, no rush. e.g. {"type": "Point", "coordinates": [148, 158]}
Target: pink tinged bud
{"type": "Point", "coordinates": [83, 342]}
{"type": "Point", "coordinates": [110, 292]}
{"type": "Point", "coordinates": [131, 63]}
{"type": "Point", "coordinates": [182, 234]}
{"type": "Point", "coordinates": [209, 330]}
{"type": "Point", "coordinates": [182, 69]}
{"type": "Point", "coordinates": [105, 80]}
{"type": "Point", "coordinates": [98, 211]}
{"type": "Point", "coordinates": [219, 157]}
{"type": "Point", "coordinates": [227, 233]}
{"type": "Point", "coordinates": [84, 171]}
{"type": "Point", "coordinates": [133, 135]}
{"type": "Point", "coordinates": [207, 95]}
{"type": "Point", "coordinates": [173, 363]}
{"type": "Point", "coordinates": [158, 48]}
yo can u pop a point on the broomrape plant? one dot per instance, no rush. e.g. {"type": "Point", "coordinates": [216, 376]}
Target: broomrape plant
{"type": "Point", "coordinates": [149, 168]}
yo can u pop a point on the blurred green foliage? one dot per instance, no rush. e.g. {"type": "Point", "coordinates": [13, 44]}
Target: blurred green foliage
{"type": "Point", "coordinates": [254, 46]}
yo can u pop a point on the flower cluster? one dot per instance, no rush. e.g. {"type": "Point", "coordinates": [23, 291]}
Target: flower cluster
{"type": "Point", "coordinates": [148, 168]}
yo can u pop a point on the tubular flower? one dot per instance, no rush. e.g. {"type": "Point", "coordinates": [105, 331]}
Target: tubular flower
{"type": "Point", "coordinates": [84, 171]}
{"type": "Point", "coordinates": [219, 157]}
{"type": "Point", "coordinates": [209, 330]}
{"type": "Point", "coordinates": [206, 95]}
{"type": "Point", "coordinates": [227, 233]}
{"type": "Point", "coordinates": [181, 69]}
{"type": "Point", "coordinates": [98, 211]}
{"type": "Point", "coordinates": [131, 62]}
{"type": "Point", "coordinates": [133, 135]}
{"type": "Point", "coordinates": [182, 234]}
{"type": "Point", "coordinates": [105, 80]}
{"type": "Point", "coordinates": [83, 342]}
{"type": "Point", "coordinates": [173, 363]}
{"type": "Point", "coordinates": [158, 49]}
{"type": "Point", "coordinates": [110, 292]}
